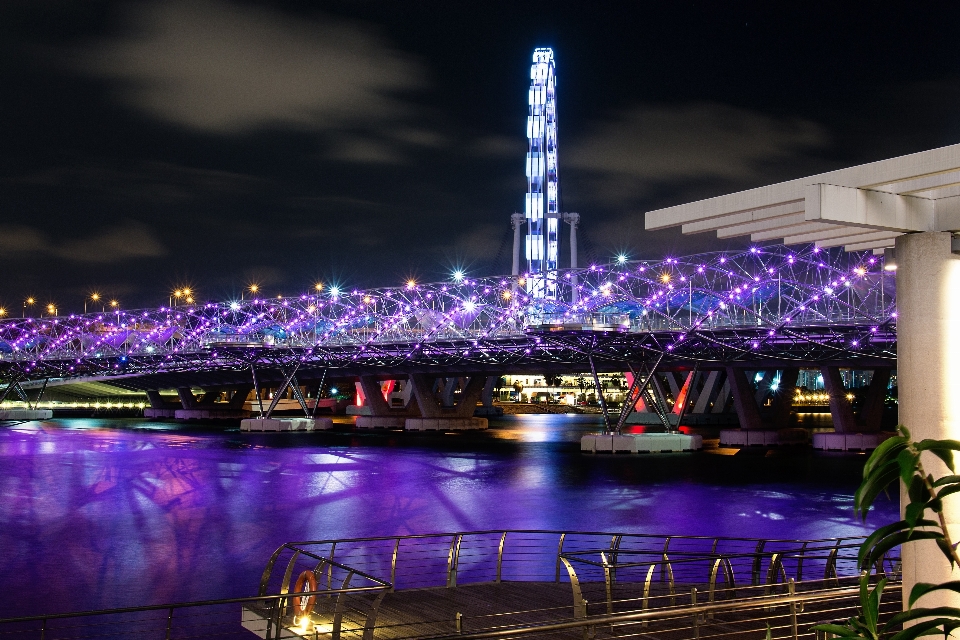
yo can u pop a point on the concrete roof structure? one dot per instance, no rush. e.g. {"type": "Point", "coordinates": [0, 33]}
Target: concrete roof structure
{"type": "Point", "coordinates": [859, 208]}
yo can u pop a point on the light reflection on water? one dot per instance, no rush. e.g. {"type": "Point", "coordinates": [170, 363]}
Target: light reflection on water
{"type": "Point", "coordinates": [128, 512]}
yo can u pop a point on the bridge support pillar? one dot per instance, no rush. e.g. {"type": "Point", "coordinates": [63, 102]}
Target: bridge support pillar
{"type": "Point", "coordinates": [840, 408]}
{"type": "Point", "coordinates": [871, 413]}
{"type": "Point", "coordinates": [744, 399]}
{"type": "Point", "coordinates": [186, 398]}
{"type": "Point", "coordinates": [703, 400]}
{"type": "Point", "coordinates": [486, 397]}
{"type": "Point", "coordinates": [783, 398]}
{"type": "Point", "coordinates": [928, 381]}
{"type": "Point", "coordinates": [438, 417]}
{"type": "Point", "coordinates": [159, 408]}
{"type": "Point", "coordinates": [157, 401]}
{"type": "Point", "coordinates": [239, 397]}
{"type": "Point", "coordinates": [382, 415]}
{"type": "Point", "coordinates": [373, 396]}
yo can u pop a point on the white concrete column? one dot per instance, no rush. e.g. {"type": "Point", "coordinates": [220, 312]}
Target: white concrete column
{"type": "Point", "coordinates": [928, 379]}
{"type": "Point", "coordinates": [516, 220]}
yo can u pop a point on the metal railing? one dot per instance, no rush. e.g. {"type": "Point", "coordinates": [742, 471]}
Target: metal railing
{"type": "Point", "coordinates": [502, 584]}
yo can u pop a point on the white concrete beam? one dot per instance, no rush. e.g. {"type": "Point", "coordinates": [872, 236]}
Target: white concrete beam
{"type": "Point", "coordinates": [744, 217]}
{"type": "Point", "coordinates": [876, 245]}
{"type": "Point", "coordinates": [807, 227]}
{"type": "Point", "coordinates": [771, 224]}
{"type": "Point", "coordinates": [904, 168]}
{"type": "Point", "coordinates": [947, 213]}
{"type": "Point", "coordinates": [828, 232]}
{"type": "Point", "coordinates": [870, 209]}
{"type": "Point", "coordinates": [873, 236]}
{"type": "Point", "coordinates": [923, 184]}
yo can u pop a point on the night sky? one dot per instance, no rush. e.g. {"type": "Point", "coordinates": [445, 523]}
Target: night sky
{"type": "Point", "coordinates": [150, 145]}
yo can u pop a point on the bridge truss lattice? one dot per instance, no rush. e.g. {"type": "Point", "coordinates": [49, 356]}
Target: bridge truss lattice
{"type": "Point", "coordinates": [770, 303]}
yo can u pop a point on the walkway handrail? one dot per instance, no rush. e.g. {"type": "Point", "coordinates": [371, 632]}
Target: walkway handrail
{"type": "Point", "coordinates": [185, 605]}
{"type": "Point", "coordinates": [661, 614]}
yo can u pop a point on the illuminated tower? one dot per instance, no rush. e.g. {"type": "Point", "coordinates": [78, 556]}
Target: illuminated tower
{"type": "Point", "coordinates": [541, 209]}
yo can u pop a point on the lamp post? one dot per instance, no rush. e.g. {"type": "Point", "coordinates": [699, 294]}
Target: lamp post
{"type": "Point", "coordinates": [28, 301]}
{"type": "Point", "coordinates": [3, 312]}
{"type": "Point", "coordinates": [176, 294]}
{"type": "Point", "coordinates": [115, 305]}
{"type": "Point", "coordinates": [252, 289]}
{"type": "Point", "coordinates": [94, 297]}
{"type": "Point", "coordinates": [52, 309]}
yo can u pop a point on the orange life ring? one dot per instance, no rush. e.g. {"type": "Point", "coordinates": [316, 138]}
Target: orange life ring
{"type": "Point", "coordinates": [306, 583]}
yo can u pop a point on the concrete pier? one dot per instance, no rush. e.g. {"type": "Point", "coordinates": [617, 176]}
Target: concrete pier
{"type": "Point", "coordinates": [210, 414]}
{"type": "Point", "coordinates": [640, 443]}
{"type": "Point", "coordinates": [286, 424]}
{"type": "Point", "coordinates": [26, 414]}
{"type": "Point", "coordinates": [445, 424]}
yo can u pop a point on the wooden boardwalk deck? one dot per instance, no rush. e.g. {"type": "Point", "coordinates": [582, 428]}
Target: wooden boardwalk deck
{"type": "Point", "coordinates": [423, 613]}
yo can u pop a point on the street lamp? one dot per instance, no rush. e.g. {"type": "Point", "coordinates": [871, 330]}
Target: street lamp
{"type": "Point", "coordinates": [28, 301]}
{"type": "Point", "coordinates": [94, 297]}
{"type": "Point", "coordinates": [3, 312]}
{"type": "Point", "coordinates": [252, 289]}
{"type": "Point", "coordinates": [176, 294]}
{"type": "Point", "coordinates": [52, 309]}
{"type": "Point", "coordinates": [115, 305]}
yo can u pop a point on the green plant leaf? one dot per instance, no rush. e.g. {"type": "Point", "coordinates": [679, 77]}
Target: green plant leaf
{"type": "Point", "coordinates": [947, 480]}
{"type": "Point", "coordinates": [872, 485]}
{"type": "Point", "coordinates": [919, 614]}
{"type": "Point", "coordinates": [897, 539]}
{"type": "Point", "coordinates": [907, 460]}
{"type": "Point", "coordinates": [914, 512]}
{"type": "Point", "coordinates": [923, 588]}
{"type": "Point", "coordinates": [917, 490]}
{"type": "Point", "coordinates": [946, 491]}
{"type": "Point", "coordinates": [945, 548]}
{"type": "Point", "coordinates": [943, 449]}
{"type": "Point", "coordinates": [884, 532]}
{"type": "Point", "coordinates": [887, 451]}
{"type": "Point", "coordinates": [871, 604]}
{"type": "Point", "coordinates": [927, 628]}
{"type": "Point", "coordinates": [903, 431]}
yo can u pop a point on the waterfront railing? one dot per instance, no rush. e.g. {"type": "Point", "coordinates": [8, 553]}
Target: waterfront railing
{"type": "Point", "coordinates": [506, 584]}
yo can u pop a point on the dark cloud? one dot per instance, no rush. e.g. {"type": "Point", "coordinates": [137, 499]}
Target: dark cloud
{"type": "Point", "coordinates": [128, 241]}
{"type": "Point", "coordinates": [141, 181]}
{"type": "Point", "coordinates": [644, 148]}
{"type": "Point", "coordinates": [228, 68]}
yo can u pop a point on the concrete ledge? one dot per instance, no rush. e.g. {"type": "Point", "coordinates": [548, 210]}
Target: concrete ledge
{"type": "Point", "coordinates": [379, 422]}
{"type": "Point", "coordinates": [849, 441]}
{"type": "Point", "coordinates": [763, 437]}
{"type": "Point", "coordinates": [159, 413]}
{"type": "Point", "coordinates": [210, 414]}
{"type": "Point", "coordinates": [26, 414]}
{"type": "Point", "coordinates": [488, 412]}
{"type": "Point", "coordinates": [748, 438]}
{"type": "Point", "coordinates": [640, 443]}
{"type": "Point", "coordinates": [354, 410]}
{"type": "Point", "coordinates": [445, 424]}
{"type": "Point", "coordinates": [286, 424]}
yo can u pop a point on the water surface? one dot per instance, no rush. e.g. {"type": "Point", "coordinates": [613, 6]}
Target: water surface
{"type": "Point", "coordinates": [108, 513]}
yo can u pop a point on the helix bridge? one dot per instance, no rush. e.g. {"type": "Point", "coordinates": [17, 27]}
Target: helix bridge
{"type": "Point", "coordinates": [806, 306]}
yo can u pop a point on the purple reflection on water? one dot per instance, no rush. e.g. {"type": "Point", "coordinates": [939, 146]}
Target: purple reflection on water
{"type": "Point", "coordinates": [99, 513]}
